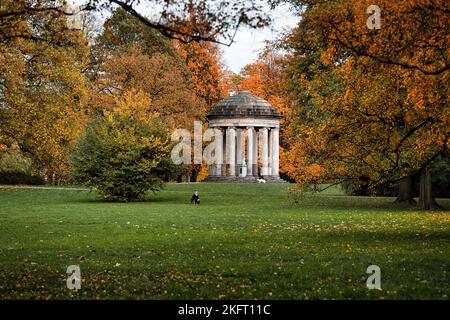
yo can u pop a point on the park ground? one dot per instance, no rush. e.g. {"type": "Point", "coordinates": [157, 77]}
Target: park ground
{"type": "Point", "coordinates": [245, 241]}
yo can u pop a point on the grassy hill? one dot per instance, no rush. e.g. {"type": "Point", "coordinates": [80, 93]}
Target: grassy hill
{"type": "Point", "coordinates": [244, 241]}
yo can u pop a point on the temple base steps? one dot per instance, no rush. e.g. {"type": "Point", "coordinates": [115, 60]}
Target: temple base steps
{"type": "Point", "coordinates": [274, 179]}
{"type": "Point", "coordinates": [247, 179]}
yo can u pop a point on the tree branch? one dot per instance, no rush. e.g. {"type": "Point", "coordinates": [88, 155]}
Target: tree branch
{"type": "Point", "coordinates": [170, 32]}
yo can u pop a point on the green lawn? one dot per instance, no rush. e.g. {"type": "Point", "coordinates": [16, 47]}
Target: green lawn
{"type": "Point", "coordinates": [243, 242]}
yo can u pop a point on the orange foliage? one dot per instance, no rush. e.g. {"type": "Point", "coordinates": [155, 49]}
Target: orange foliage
{"type": "Point", "coordinates": [370, 104]}
{"type": "Point", "coordinates": [266, 79]}
{"type": "Point", "coordinates": [203, 61]}
{"type": "Point", "coordinates": [205, 69]}
{"type": "Point", "coordinates": [203, 173]}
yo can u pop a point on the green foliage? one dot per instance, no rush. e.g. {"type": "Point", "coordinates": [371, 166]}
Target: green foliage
{"type": "Point", "coordinates": [440, 178]}
{"type": "Point", "coordinates": [362, 188]}
{"type": "Point", "coordinates": [168, 171]}
{"type": "Point", "coordinates": [119, 156]}
{"type": "Point", "coordinates": [121, 31]}
{"type": "Point", "coordinates": [124, 29]}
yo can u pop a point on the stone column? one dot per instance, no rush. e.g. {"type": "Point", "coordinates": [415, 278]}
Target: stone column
{"type": "Point", "coordinates": [255, 153]}
{"type": "Point", "coordinates": [265, 153]}
{"type": "Point", "coordinates": [270, 151]}
{"type": "Point", "coordinates": [239, 150]}
{"type": "Point", "coordinates": [232, 151]}
{"type": "Point", "coordinates": [219, 151]}
{"type": "Point", "coordinates": [250, 134]}
{"type": "Point", "coordinates": [275, 152]}
{"type": "Point", "coordinates": [224, 153]}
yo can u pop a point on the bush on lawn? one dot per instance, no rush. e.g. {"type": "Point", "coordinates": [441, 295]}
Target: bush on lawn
{"type": "Point", "coordinates": [120, 155]}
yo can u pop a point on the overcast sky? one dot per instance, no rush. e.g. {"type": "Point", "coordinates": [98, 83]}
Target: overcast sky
{"type": "Point", "coordinates": [248, 43]}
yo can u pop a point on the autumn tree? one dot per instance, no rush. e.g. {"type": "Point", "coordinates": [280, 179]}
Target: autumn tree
{"type": "Point", "coordinates": [30, 22]}
{"type": "Point", "coordinates": [218, 20]}
{"type": "Point", "coordinates": [202, 60]}
{"type": "Point", "coordinates": [205, 73]}
{"type": "Point", "coordinates": [266, 78]}
{"type": "Point", "coordinates": [120, 153]}
{"type": "Point", "coordinates": [372, 104]}
{"type": "Point", "coordinates": [232, 81]}
{"type": "Point", "coordinates": [130, 57]}
{"type": "Point", "coordinates": [42, 86]}
{"type": "Point", "coordinates": [412, 34]}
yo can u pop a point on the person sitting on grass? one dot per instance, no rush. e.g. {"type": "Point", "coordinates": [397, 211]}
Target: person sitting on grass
{"type": "Point", "coordinates": [195, 198]}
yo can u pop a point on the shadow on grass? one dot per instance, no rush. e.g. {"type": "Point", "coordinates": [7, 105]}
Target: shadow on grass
{"type": "Point", "coordinates": [148, 199]}
{"type": "Point", "coordinates": [406, 237]}
{"type": "Point", "coordinates": [362, 203]}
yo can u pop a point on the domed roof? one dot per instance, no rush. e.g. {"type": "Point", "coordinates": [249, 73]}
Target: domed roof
{"type": "Point", "coordinates": [244, 105]}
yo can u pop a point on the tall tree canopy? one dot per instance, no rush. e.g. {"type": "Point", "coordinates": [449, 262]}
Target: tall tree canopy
{"type": "Point", "coordinates": [215, 21]}
{"type": "Point", "coordinates": [372, 105]}
{"type": "Point", "coordinates": [42, 86]}
{"type": "Point", "coordinates": [413, 34]}
{"type": "Point", "coordinates": [130, 57]}
{"type": "Point", "coordinates": [206, 73]}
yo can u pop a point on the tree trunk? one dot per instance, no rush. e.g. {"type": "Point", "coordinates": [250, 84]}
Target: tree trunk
{"type": "Point", "coordinates": [426, 200]}
{"type": "Point", "coordinates": [405, 191]}
{"type": "Point", "coordinates": [194, 174]}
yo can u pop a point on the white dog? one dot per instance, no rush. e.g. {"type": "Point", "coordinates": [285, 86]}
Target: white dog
{"type": "Point", "coordinates": [261, 180]}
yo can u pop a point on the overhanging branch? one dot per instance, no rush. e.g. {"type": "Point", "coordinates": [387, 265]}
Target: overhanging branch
{"type": "Point", "coordinates": [183, 37]}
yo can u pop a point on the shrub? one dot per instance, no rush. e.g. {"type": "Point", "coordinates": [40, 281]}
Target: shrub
{"type": "Point", "coordinates": [120, 155]}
